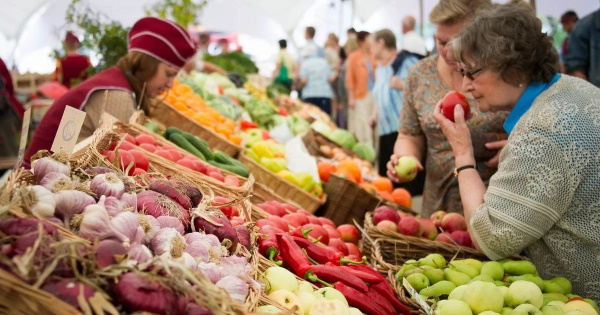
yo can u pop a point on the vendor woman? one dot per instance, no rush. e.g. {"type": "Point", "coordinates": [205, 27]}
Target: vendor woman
{"type": "Point", "coordinates": [545, 197]}
{"type": "Point", "coordinates": [158, 48]}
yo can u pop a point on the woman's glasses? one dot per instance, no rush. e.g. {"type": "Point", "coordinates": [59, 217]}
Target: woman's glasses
{"type": "Point", "coordinates": [470, 74]}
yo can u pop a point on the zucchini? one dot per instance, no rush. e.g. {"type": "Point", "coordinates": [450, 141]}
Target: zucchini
{"type": "Point", "coordinates": [170, 131]}
{"type": "Point", "coordinates": [224, 158]}
{"type": "Point", "coordinates": [242, 171]}
{"type": "Point", "coordinates": [200, 145]}
{"type": "Point", "coordinates": [180, 141]}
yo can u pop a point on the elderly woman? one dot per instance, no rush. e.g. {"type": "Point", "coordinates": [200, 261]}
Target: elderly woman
{"type": "Point", "coordinates": [545, 197]}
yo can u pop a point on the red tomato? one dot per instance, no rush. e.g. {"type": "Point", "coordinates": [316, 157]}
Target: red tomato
{"type": "Point", "coordinates": [175, 154]}
{"type": "Point", "coordinates": [450, 101]}
{"type": "Point", "coordinates": [165, 154]}
{"type": "Point", "coordinates": [138, 171]}
{"type": "Point", "coordinates": [125, 160]}
{"type": "Point", "coordinates": [231, 180]}
{"type": "Point", "coordinates": [125, 145]}
{"type": "Point", "coordinates": [187, 163]}
{"type": "Point", "coordinates": [141, 160]}
{"type": "Point", "coordinates": [148, 147]}
{"type": "Point", "coordinates": [129, 138]}
{"type": "Point", "coordinates": [145, 138]}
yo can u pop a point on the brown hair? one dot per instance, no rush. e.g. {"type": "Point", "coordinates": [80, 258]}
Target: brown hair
{"type": "Point", "coordinates": [455, 11]}
{"type": "Point", "coordinates": [388, 37]}
{"type": "Point", "coordinates": [362, 36]}
{"type": "Point", "coordinates": [509, 41]}
{"type": "Point", "coordinates": [138, 68]}
{"type": "Point", "coordinates": [311, 31]}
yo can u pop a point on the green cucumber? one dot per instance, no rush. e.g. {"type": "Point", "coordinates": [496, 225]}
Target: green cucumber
{"type": "Point", "coordinates": [199, 144]}
{"type": "Point", "coordinates": [180, 141]}
{"type": "Point", "coordinates": [242, 171]}
{"type": "Point", "coordinates": [152, 126]}
{"type": "Point", "coordinates": [224, 158]}
{"type": "Point", "coordinates": [170, 131]}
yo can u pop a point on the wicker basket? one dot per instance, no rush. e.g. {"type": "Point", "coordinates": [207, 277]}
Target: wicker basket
{"type": "Point", "coordinates": [389, 250]}
{"type": "Point", "coordinates": [403, 295]}
{"type": "Point", "coordinates": [314, 140]}
{"type": "Point", "coordinates": [169, 116]}
{"type": "Point", "coordinates": [347, 201]}
{"type": "Point", "coordinates": [282, 187]}
{"type": "Point", "coordinates": [262, 193]}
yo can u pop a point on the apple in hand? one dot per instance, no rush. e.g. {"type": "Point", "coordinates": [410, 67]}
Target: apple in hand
{"type": "Point", "coordinates": [277, 278]}
{"type": "Point", "coordinates": [450, 101]}
{"type": "Point", "coordinates": [407, 168]}
{"type": "Point", "coordinates": [288, 300]}
{"type": "Point", "coordinates": [385, 213]}
{"type": "Point", "coordinates": [348, 233]}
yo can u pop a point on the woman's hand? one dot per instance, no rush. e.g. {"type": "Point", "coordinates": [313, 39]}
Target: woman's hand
{"type": "Point", "coordinates": [391, 168]}
{"type": "Point", "coordinates": [457, 133]}
{"type": "Point", "coordinates": [496, 145]}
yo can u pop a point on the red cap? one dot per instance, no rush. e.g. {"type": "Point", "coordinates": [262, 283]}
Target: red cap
{"type": "Point", "coordinates": [70, 38]}
{"type": "Point", "coordinates": [163, 40]}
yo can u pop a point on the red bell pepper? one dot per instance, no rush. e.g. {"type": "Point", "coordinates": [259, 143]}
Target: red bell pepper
{"type": "Point", "coordinates": [283, 112]}
{"type": "Point", "coordinates": [383, 288]}
{"type": "Point", "coordinates": [268, 246]}
{"type": "Point", "coordinates": [245, 124]}
{"type": "Point", "coordinates": [335, 274]}
{"type": "Point", "coordinates": [358, 299]}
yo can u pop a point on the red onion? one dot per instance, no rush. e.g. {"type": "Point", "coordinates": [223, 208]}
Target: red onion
{"type": "Point", "coordinates": [156, 205]}
{"type": "Point", "coordinates": [20, 226]}
{"type": "Point", "coordinates": [164, 187]}
{"type": "Point", "coordinates": [69, 291]}
{"type": "Point", "coordinates": [214, 222]}
{"type": "Point", "coordinates": [243, 235]}
{"type": "Point", "coordinates": [137, 293]}
{"type": "Point", "coordinates": [107, 251]}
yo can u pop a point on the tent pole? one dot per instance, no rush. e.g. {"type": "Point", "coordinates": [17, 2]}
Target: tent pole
{"type": "Point", "coordinates": [422, 16]}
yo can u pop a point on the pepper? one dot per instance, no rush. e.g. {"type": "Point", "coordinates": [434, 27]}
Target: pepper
{"type": "Point", "coordinates": [335, 274]}
{"type": "Point", "coordinates": [383, 288]}
{"type": "Point", "coordinates": [358, 299]}
{"type": "Point", "coordinates": [268, 246]}
{"type": "Point", "coordinates": [366, 277]}
{"type": "Point", "coordinates": [323, 255]}
{"type": "Point", "coordinates": [381, 301]}
{"type": "Point", "coordinates": [246, 124]}
{"type": "Point", "coordinates": [293, 255]}
{"type": "Point", "coordinates": [300, 232]}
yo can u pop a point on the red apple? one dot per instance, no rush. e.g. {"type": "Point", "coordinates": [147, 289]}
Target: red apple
{"type": "Point", "coordinates": [437, 217]}
{"type": "Point", "coordinates": [387, 225]}
{"type": "Point", "coordinates": [279, 222]}
{"type": "Point", "coordinates": [235, 221]}
{"type": "Point", "coordinates": [462, 238]}
{"type": "Point", "coordinates": [402, 214]}
{"type": "Point", "coordinates": [385, 213]}
{"type": "Point", "coordinates": [444, 238]}
{"type": "Point", "coordinates": [409, 226]}
{"type": "Point", "coordinates": [450, 101]}
{"type": "Point", "coordinates": [454, 222]}
{"type": "Point", "coordinates": [333, 233]}
{"type": "Point", "coordinates": [318, 232]}
{"type": "Point", "coordinates": [429, 230]}
{"type": "Point", "coordinates": [339, 245]}
{"type": "Point", "coordinates": [349, 233]}
{"type": "Point", "coordinates": [314, 220]}
{"type": "Point", "coordinates": [295, 219]}
{"type": "Point", "coordinates": [353, 250]}
{"type": "Point", "coordinates": [270, 209]}
{"type": "Point", "coordinates": [325, 221]}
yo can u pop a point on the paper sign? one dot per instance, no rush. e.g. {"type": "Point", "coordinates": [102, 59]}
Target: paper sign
{"type": "Point", "coordinates": [68, 130]}
{"type": "Point", "coordinates": [298, 160]}
{"type": "Point", "coordinates": [24, 134]}
{"type": "Point", "coordinates": [417, 297]}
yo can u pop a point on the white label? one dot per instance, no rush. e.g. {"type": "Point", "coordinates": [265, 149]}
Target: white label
{"type": "Point", "coordinates": [416, 296]}
{"type": "Point", "coordinates": [68, 130]}
{"type": "Point", "coordinates": [24, 134]}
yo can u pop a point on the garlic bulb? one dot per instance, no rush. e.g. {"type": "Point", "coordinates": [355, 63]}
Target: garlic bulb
{"type": "Point", "coordinates": [210, 270]}
{"type": "Point", "coordinates": [187, 260]}
{"type": "Point", "coordinates": [199, 249]}
{"type": "Point", "coordinates": [56, 182]}
{"type": "Point", "coordinates": [168, 241]}
{"type": "Point", "coordinates": [41, 167]}
{"type": "Point", "coordinates": [128, 201]}
{"type": "Point", "coordinates": [96, 224]}
{"type": "Point", "coordinates": [236, 287]}
{"type": "Point", "coordinates": [150, 225]}
{"type": "Point", "coordinates": [139, 252]}
{"type": "Point", "coordinates": [107, 184]}
{"type": "Point", "coordinates": [127, 223]}
{"type": "Point", "coordinates": [41, 201]}
{"type": "Point", "coordinates": [112, 205]}
{"type": "Point", "coordinates": [172, 222]}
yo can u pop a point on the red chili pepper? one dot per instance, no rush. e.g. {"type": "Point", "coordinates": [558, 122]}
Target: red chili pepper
{"type": "Point", "coordinates": [323, 255]}
{"type": "Point", "coordinates": [293, 255]}
{"type": "Point", "coordinates": [335, 274]}
{"type": "Point", "coordinates": [340, 259]}
{"type": "Point", "coordinates": [245, 124]}
{"type": "Point", "coordinates": [383, 288]}
{"type": "Point", "coordinates": [381, 301]}
{"type": "Point", "coordinates": [268, 246]}
{"type": "Point", "coordinates": [358, 299]}
{"type": "Point", "coordinates": [283, 112]}
{"type": "Point", "coordinates": [300, 232]}
{"type": "Point", "coordinates": [367, 277]}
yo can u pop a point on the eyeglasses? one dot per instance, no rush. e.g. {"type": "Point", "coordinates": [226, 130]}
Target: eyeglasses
{"type": "Point", "coordinates": [470, 74]}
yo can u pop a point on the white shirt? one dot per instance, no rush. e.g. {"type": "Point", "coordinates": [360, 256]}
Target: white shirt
{"type": "Point", "coordinates": [413, 42]}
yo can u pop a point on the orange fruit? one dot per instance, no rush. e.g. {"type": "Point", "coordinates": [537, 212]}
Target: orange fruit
{"type": "Point", "coordinates": [383, 184]}
{"type": "Point", "coordinates": [402, 197]}
{"type": "Point", "coordinates": [386, 195]}
{"type": "Point", "coordinates": [344, 173]}
{"type": "Point", "coordinates": [368, 187]}
{"type": "Point", "coordinates": [352, 168]}
{"type": "Point", "coordinates": [325, 170]}
{"type": "Point", "coordinates": [235, 139]}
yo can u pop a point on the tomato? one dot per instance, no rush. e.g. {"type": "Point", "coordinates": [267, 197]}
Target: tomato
{"type": "Point", "coordinates": [138, 171]}
{"type": "Point", "coordinates": [125, 145]}
{"type": "Point", "coordinates": [187, 163]}
{"type": "Point", "coordinates": [165, 154]}
{"type": "Point", "coordinates": [125, 160]}
{"type": "Point", "coordinates": [141, 160]}
{"type": "Point", "coordinates": [148, 147]}
{"type": "Point", "coordinates": [450, 101]}
{"type": "Point", "coordinates": [175, 154]}
{"type": "Point", "coordinates": [129, 138]}
{"type": "Point", "coordinates": [145, 138]}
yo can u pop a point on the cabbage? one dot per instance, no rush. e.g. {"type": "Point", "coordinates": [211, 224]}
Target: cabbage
{"type": "Point", "coordinates": [343, 138]}
{"type": "Point", "coordinates": [321, 127]}
{"type": "Point", "coordinates": [364, 151]}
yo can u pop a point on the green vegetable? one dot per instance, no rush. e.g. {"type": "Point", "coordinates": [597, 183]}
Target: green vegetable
{"type": "Point", "coordinates": [171, 130]}
{"type": "Point", "coordinates": [152, 126]}
{"type": "Point", "coordinates": [180, 141]}
{"type": "Point", "coordinates": [224, 158]}
{"type": "Point", "coordinates": [234, 62]}
{"type": "Point", "coordinates": [200, 145]}
{"type": "Point", "coordinates": [364, 151]}
{"type": "Point", "coordinates": [231, 168]}
{"type": "Point", "coordinates": [343, 138]}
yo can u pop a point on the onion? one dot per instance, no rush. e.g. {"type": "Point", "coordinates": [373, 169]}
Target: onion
{"type": "Point", "coordinates": [164, 187]}
{"type": "Point", "coordinates": [172, 222]}
{"type": "Point", "coordinates": [109, 252]}
{"type": "Point", "coordinates": [215, 222]}
{"type": "Point", "coordinates": [70, 203]}
{"type": "Point", "coordinates": [190, 191]}
{"type": "Point", "coordinates": [42, 167]}
{"type": "Point", "coordinates": [236, 287]}
{"type": "Point", "coordinates": [243, 235]}
{"type": "Point", "coordinates": [137, 293]}
{"type": "Point", "coordinates": [156, 205]}
{"type": "Point", "coordinates": [69, 291]}
{"type": "Point", "coordinates": [20, 226]}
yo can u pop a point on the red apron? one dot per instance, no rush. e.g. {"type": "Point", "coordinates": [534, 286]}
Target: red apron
{"type": "Point", "coordinates": [109, 79]}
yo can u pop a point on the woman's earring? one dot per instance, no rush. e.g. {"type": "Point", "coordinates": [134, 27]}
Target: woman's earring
{"type": "Point", "coordinates": [520, 84]}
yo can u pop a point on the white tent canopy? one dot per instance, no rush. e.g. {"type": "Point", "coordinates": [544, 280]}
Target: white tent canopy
{"type": "Point", "coordinates": [30, 29]}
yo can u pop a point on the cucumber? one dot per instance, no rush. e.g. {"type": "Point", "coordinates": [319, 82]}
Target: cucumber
{"type": "Point", "coordinates": [152, 126]}
{"type": "Point", "coordinates": [200, 145]}
{"type": "Point", "coordinates": [242, 171]}
{"type": "Point", "coordinates": [224, 158]}
{"type": "Point", "coordinates": [171, 130]}
{"type": "Point", "coordinates": [180, 141]}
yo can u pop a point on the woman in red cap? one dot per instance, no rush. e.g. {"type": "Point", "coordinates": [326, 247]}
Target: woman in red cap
{"type": "Point", "coordinates": [158, 48]}
{"type": "Point", "coordinates": [72, 68]}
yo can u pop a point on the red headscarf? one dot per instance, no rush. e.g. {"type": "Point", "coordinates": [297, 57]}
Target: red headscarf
{"type": "Point", "coordinates": [162, 39]}
{"type": "Point", "coordinates": [70, 38]}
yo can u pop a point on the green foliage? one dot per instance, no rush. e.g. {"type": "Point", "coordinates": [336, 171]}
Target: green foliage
{"type": "Point", "coordinates": [183, 12]}
{"type": "Point", "coordinates": [234, 62]}
{"type": "Point", "coordinates": [106, 37]}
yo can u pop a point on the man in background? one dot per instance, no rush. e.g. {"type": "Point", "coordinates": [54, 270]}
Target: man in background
{"type": "Point", "coordinates": [583, 51]}
{"type": "Point", "coordinates": [568, 21]}
{"type": "Point", "coordinates": [309, 35]}
{"type": "Point", "coordinates": [411, 41]}
{"type": "Point", "coordinates": [285, 66]}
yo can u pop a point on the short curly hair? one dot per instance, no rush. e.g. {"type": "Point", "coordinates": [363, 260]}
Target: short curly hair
{"type": "Point", "coordinates": [509, 41]}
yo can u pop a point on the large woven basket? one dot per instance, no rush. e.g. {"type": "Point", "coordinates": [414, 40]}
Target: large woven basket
{"type": "Point", "coordinates": [281, 186]}
{"type": "Point", "coordinates": [169, 116]}
{"type": "Point", "coordinates": [347, 202]}
{"type": "Point", "coordinates": [403, 295]}
{"type": "Point", "coordinates": [314, 140]}
{"type": "Point", "coordinates": [389, 250]}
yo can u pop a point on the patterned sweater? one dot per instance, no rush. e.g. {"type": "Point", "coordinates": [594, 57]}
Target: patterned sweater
{"type": "Point", "coordinates": [545, 196]}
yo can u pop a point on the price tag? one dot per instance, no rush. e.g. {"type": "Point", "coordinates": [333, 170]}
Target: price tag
{"type": "Point", "coordinates": [68, 130]}
{"type": "Point", "coordinates": [416, 296]}
{"type": "Point", "coordinates": [24, 135]}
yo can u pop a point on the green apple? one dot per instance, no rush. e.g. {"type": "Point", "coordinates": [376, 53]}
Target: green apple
{"type": "Point", "coordinates": [355, 311]}
{"type": "Point", "coordinates": [551, 310]}
{"type": "Point", "coordinates": [440, 288]}
{"type": "Point", "coordinates": [452, 307]}
{"type": "Point", "coordinates": [531, 278]}
{"type": "Point", "coordinates": [418, 281]}
{"type": "Point", "coordinates": [433, 260]}
{"type": "Point", "coordinates": [434, 275]}
{"type": "Point", "coordinates": [549, 297]}
{"type": "Point", "coordinates": [288, 300]}
{"type": "Point", "coordinates": [526, 309]}
{"type": "Point", "coordinates": [268, 309]}
{"type": "Point", "coordinates": [469, 261]}
{"type": "Point", "coordinates": [579, 305]}
{"type": "Point", "coordinates": [484, 278]}
{"type": "Point", "coordinates": [329, 307]}
{"type": "Point", "coordinates": [457, 294]}
{"type": "Point", "coordinates": [306, 300]}
{"type": "Point", "coordinates": [558, 304]}
{"type": "Point", "coordinates": [576, 313]}
{"type": "Point", "coordinates": [593, 304]}
{"type": "Point", "coordinates": [458, 278]}
{"type": "Point", "coordinates": [331, 294]}
{"type": "Point", "coordinates": [524, 292]}
{"type": "Point", "coordinates": [469, 270]}
{"type": "Point", "coordinates": [407, 168]}
{"type": "Point", "coordinates": [483, 296]}
{"type": "Point", "coordinates": [304, 286]}
{"type": "Point", "coordinates": [506, 311]}
{"type": "Point", "coordinates": [558, 285]}
{"type": "Point", "coordinates": [489, 313]}
{"type": "Point", "coordinates": [277, 278]}
{"type": "Point", "coordinates": [493, 269]}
